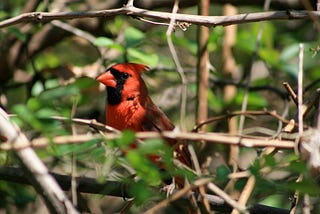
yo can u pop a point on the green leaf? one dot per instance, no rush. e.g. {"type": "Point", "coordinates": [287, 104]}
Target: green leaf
{"type": "Point", "coordinates": [289, 52]}
{"type": "Point", "coordinates": [141, 193]}
{"type": "Point", "coordinates": [271, 56]}
{"type": "Point", "coordinates": [144, 168]}
{"type": "Point", "coordinates": [297, 166]}
{"type": "Point", "coordinates": [133, 36]}
{"type": "Point", "coordinates": [151, 146]}
{"type": "Point", "coordinates": [16, 31]}
{"type": "Point", "coordinates": [28, 116]}
{"type": "Point", "coordinates": [223, 172]}
{"type": "Point", "coordinates": [77, 149]}
{"type": "Point", "coordinates": [98, 154]}
{"type": "Point", "coordinates": [56, 94]}
{"type": "Point", "coordinates": [305, 186]}
{"type": "Point", "coordinates": [291, 69]}
{"type": "Point", "coordinates": [254, 100]}
{"type": "Point", "coordinates": [270, 160]}
{"type": "Point", "coordinates": [135, 55]}
{"type": "Point", "coordinates": [103, 42]}
{"type": "Point", "coordinates": [128, 137]}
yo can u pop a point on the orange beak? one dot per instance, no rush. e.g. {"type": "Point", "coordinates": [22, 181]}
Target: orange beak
{"type": "Point", "coordinates": [107, 79]}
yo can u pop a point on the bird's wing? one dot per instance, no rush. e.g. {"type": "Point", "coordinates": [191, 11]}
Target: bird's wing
{"type": "Point", "coordinates": [155, 119]}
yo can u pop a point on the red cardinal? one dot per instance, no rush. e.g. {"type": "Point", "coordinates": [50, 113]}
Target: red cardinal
{"type": "Point", "coordinates": [130, 107]}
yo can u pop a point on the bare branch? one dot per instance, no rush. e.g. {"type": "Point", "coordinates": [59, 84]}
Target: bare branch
{"type": "Point", "coordinates": [209, 21]}
{"type": "Point", "coordinates": [209, 137]}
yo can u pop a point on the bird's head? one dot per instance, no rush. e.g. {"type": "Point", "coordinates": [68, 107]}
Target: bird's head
{"type": "Point", "coordinates": [122, 80]}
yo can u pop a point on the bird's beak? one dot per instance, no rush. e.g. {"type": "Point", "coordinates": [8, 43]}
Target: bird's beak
{"type": "Point", "coordinates": [107, 79]}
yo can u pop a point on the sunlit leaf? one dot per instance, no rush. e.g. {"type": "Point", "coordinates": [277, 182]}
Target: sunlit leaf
{"type": "Point", "coordinates": [28, 116]}
{"type": "Point", "coordinates": [145, 169]}
{"type": "Point", "coordinates": [270, 56]}
{"type": "Point", "coordinates": [133, 36]}
{"type": "Point", "coordinates": [135, 55]}
{"type": "Point", "coordinates": [127, 138]}
{"type": "Point", "coordinates": [304, 186]}
{"type": "Point", "coordinates": [103, 42]}
{"type": "Point", "coordinates": [289, 52]}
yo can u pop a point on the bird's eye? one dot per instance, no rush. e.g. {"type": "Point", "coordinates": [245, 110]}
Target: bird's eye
{"type": "Point", "coordinates": [126, 75]}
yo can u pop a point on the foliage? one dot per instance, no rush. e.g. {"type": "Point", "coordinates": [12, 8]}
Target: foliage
{"type": "Point", "coordinates": [51, 86]}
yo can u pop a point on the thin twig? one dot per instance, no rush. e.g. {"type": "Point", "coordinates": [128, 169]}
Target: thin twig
{"type": "Point", "coordinates": [74, 30]}
{"type": "Point", "coordinates": [249, 75]}
{"type": "Point", "coordinates": [178, 65]}
{"type": "Point", "coordinates": [227, 198]}
{"type": "Point", "coordinates": [246, 113]}
{"type": "Point", "coordinates": [246, 192]}
{"type": "Point", "coordinates": [306, 204]}
{"type": "Point", "coordinates": [300, 89]}
{"type": "Point", "coordinates": [291, 92]}
{"type": "Point", "coordinates": [295, 199]}
{"type": "Point", "coordinates": [178, 195]}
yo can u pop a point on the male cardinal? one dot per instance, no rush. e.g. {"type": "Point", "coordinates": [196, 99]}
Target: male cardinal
{"type": "Point", "coordinates": [130, 107]}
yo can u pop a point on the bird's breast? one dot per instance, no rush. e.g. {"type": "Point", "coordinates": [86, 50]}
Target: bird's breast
{"type": "Point", "coordinates": [126, 115]}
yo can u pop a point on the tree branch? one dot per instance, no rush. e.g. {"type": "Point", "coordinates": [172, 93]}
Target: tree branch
{"type": "Point", "coordinates": [209, 21]}
{"type": "Point", "coordinates": [36, 171]}
{"type": "Point", "coordinates": [120, 189]}
{"type": "Point", "coordinates": [212, 137]}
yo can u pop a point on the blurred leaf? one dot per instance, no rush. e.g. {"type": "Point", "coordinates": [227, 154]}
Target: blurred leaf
{"type": "Point", "coordinates": [26, 115]}
{"type": "Point", "coordinates": [245, 41]}
{"type": "Point", "coordinates": [289, 52]}
{"type": "Point", "coordinates": [188, 44]}
{"type": "Point", "coordinates": [215, 103]}
{"type": "Point", "coordinates": [127, 138]}
{"type": "Point", "coordinates": [46, 60]}
{"type": "Point", "coordinates": [255, 100]}
{"type": "Point", "coordinates": [141, 193]}
{"type": "Point", "coordinates": [146, 170]}
{"type": "Point", "coordinates": [15, 194]}
{"type": "Point", "coordinates": [270, 161]}
{"type": "Point", "coordinates": [290, 69]}
{"type": "Point", "coordinates": [135, 55]}
{"type": "Point", "coordinates": [215, 38]}
{"type": "Point", "coordinates": [151, 146]}
{"type": "Point", "coordinates": [304, 187]}
{"type": "Point", "coordinates": [59, 95]}
{"type": "Point", "coordinates": [133, 36]}
{"type": "Point", "coordinates": [103, 42]}
{"type": "Point", "coordinates": [37, 88]}
{"type": "Point", "coordinates": [98, 154]}
{"type": "Point", "coordinates": [271, 56]}
{"type": "Point", "coordinates": [274, 200]}
{"type": "Point", "coordinates": [255, 168]}
{"type": "Point", "coordinates": [239, 185]}
{"type": "Point", "coordinates": [222, 172]}
{"type": "Point", "coordinates": [297, 166]}
{"type": "Point", "coordinates": [77, 149]}
{"type": "Point", "coordinates": [17, 33]}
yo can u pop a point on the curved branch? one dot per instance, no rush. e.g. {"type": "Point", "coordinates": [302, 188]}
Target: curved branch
{"type": "Point", "coordinates": [209, 21]}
